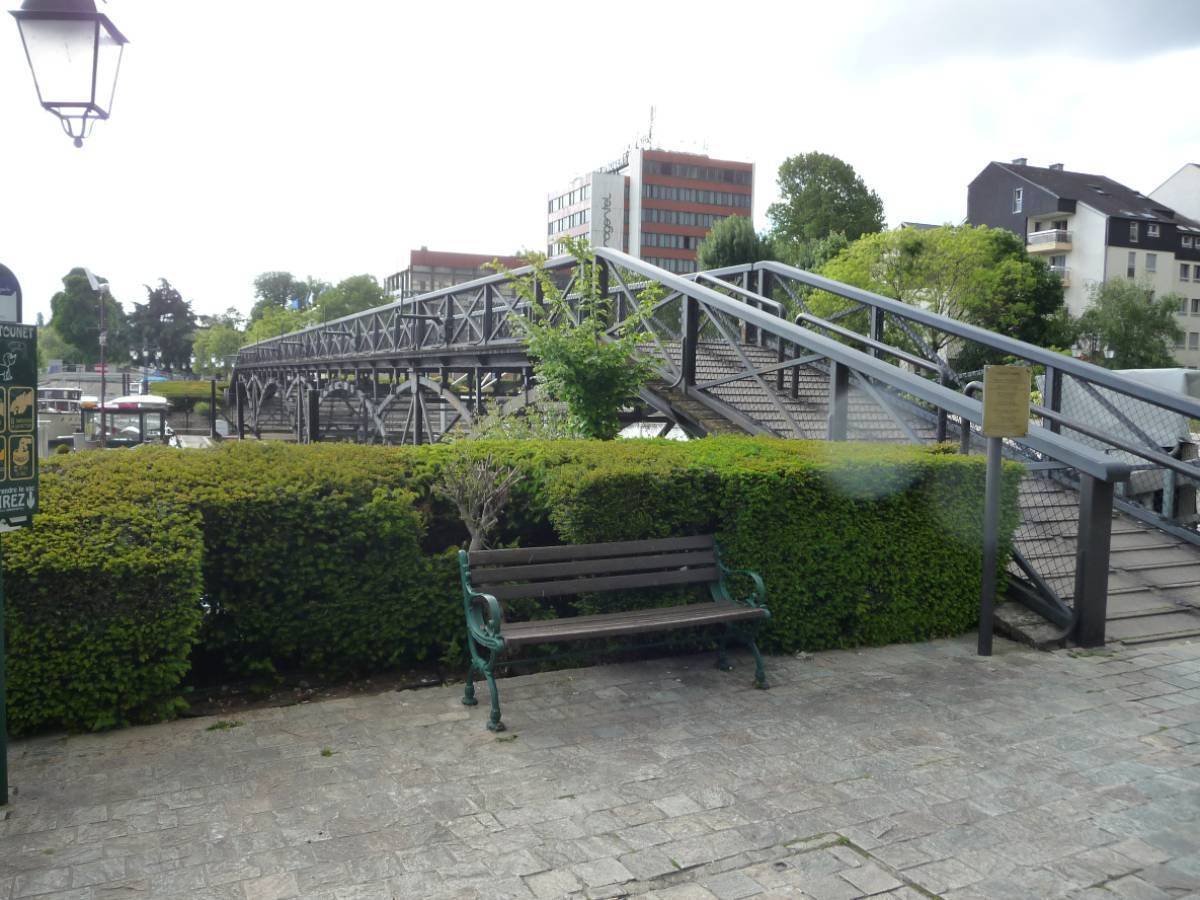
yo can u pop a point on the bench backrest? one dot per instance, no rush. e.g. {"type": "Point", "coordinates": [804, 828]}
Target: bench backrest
{"type": "Point", "coordinates": [582, 568]}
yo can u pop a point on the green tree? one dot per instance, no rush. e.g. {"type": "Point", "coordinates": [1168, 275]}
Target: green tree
{"type": "Point", "coordinates": [275, 289]}
{"type": "Point", "coordinates": [579, 358]}
{"type": "Point", "coordinates": [217, 341]}
{"type": "Point", "coordinates": [75, 315]}
{"type": "Point", "coordinates": [164, 324]}
{"type": "Point", "coordinates": [819, 195]}
{"type": "Point", "coordinates": [976, 274]}
{"type": "Point", "coordinates": [52, 346]}
{"type": "Point", "coordinates": [1126, 318]}
{"type": "Point", "coordinates": [354, 294]}
{"type": "Point", "coordinates": [274, 321]}
{"type": "Point", "coordinates": [732, 242]}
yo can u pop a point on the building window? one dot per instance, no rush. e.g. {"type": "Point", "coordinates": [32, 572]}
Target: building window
{"type": "Point", "coordinates": [1196, 306]}
{"type": "Point", "coordinates": [1060, 225]}
{"type": "Point", "coordinates": [1185, 240]}
{"type": "Point", "coordinates": [1018, 199]}
{"type": "Point", "coordinates": [1183, 306]}
{"type": "Point", "coordinates": [1195, 273]}
{"type": "Point", "coordinates": [1179, 341]}
{"type": "Point", "coordinates": [1151, 263]}
{"type": "Point", "coordinates": [1194, 340]}
{"type": "Point", "coordinates": [1184, 268]}
{"type": "Point", "coordinates": [1152, 230]}
{"type": "Point", "coordinates": [1131, 266]}
{"type": "Point", "coordinates": [1133, 232]}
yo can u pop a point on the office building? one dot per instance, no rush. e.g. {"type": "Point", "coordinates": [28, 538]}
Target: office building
{"type": "Point", "coordinates": [654, 204]}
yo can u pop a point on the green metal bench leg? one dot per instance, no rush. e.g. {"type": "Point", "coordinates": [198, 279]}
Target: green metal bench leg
{"type": "Point", "coordinates": [723, 662]}
{"type": "Point", "coordinates": [469, 688]}
{"type": "Point", "coordinates": [494, 723]}
{"type": "Point", "coordinates": [760, 673]}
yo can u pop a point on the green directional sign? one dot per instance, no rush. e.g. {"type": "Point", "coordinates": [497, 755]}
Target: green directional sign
{"type": "Point", "coordinates": [18, 422]}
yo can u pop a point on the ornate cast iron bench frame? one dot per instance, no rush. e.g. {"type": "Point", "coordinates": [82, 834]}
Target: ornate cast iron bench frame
{"type": "Point", "coordinates": [490, 577]}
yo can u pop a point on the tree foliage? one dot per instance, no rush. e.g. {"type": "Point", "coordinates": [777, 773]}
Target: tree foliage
{"type": "Point", "coordinates": [1136, 327]}
{"type": "Point", "coordinates": [820, 195]}
{"type": "Point", "coordinates": [975, 274]}
{"type": "Point", "coordinates": [216, 341]}
{"type": "Point", "coordinates": [164, 324]}
{"type": "Point", "coordinates": [354, 294]}
{"type": "Point", "coordinates": [579, 356]}
{"type": "Point", "coordinates": [75, 316]}
{"type": "Point", "coordinates": [283, 290]}
{"type": "Point", "coordinates": [732, 242]}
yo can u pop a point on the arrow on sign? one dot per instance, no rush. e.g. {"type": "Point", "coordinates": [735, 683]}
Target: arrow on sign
{"type": "Point", "coordinates": [29, 499]}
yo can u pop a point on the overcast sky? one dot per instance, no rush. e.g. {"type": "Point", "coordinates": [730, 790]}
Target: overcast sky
{"type": "Point", "coordinates": [329, 139]}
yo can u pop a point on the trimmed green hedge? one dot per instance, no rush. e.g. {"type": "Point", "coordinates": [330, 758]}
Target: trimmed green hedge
{"type": "Point", "coordinates": [103, 611]}
{"type": "Point", "coordinates": [183, 395]}
{"type": "Point", "coordinates": [339, 559]}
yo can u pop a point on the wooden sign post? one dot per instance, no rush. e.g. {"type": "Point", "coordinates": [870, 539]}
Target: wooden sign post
{"type": "Point", "coordinates": [1005, 414]}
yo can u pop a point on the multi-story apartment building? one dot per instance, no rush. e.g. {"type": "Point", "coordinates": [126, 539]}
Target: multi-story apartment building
{"type": "Point", "coordinates": [431, 270]}
{"type": "Point", "coordinates": [1090, 228]}
{"type": "Point", "coordinates": [655, 204]}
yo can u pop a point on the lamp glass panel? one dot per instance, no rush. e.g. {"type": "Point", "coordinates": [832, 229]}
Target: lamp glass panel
{"type": "Point", "coordinates": [60, 54]}
{"type": "Point", "coordinates": [108, 64]}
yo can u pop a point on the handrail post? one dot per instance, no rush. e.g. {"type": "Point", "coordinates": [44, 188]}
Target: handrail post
{"type": "Point", "coordinates": [691, 333]}
{"type": "Point", "coordinates": [448, 320]}
{"type": "Point", "coordinates": [940, 436]}
{"type": "Point", "coordinates": [1052, 396]}
{"type": "Point", "coordinates": [876, 328]}
{"type": "Point", "coordinates": [487, 313]}
{"type": "Point", "coordinates": [1091, 560]}
{"type": "Point", "coordinates": [839, 390]}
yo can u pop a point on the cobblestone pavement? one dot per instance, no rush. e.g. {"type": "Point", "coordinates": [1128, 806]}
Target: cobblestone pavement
{"type": "Point", "coordinates": [903, 772]}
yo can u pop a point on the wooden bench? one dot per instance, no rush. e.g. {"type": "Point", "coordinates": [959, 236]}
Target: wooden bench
{"type": "Point", "coordinates": [491, 577]}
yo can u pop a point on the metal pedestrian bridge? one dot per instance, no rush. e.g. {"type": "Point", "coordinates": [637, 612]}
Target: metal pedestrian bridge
{"type": "Point", "coordinates": [1108, 546]}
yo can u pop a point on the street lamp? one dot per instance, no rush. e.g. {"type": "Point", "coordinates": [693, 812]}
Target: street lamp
{"type": "Point", "coordinates": [74, 52]}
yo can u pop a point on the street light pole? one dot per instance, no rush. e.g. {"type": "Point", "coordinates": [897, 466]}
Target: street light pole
{"type": "Point", "coordinates": [101, 288]}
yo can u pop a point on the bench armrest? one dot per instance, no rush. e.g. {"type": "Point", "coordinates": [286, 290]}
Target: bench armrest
{"type": "Point", "coordinates": [759, 597]}
{"type": "Point", "coordinates": [477, 605]}
{"type": "Point", "coordinates": [478, 602]}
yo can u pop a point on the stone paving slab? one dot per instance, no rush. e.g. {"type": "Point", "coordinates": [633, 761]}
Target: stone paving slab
{"type": "Point", "coordinates": [909, 772]}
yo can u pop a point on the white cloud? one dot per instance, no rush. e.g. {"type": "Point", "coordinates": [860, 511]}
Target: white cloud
{"type": "Point", "coordinates": [329, 139]}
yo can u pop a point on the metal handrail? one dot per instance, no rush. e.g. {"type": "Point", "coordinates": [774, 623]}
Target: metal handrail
{"type": "Point", "coordinates": [1009, 346]}
{"type": "Point", "coordinates": [1049, 236]}
{"type": "Point", "coordinates": [1073, 453]}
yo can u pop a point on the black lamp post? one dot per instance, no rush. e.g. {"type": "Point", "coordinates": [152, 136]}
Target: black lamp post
{"type": "Point", "coordinates": [74, 52]}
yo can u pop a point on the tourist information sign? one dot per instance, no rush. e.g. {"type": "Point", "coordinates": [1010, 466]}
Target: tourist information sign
{"type": "Point", "coordinates": [18, 422]}
{"type": "Point", "coordinates": [18, 468]}
{"type": "Point", "coordinates": [1005, 414]}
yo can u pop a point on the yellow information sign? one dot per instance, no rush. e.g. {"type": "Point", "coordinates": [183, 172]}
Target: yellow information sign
{"type": "Point", "coordinates": [1005, 401]}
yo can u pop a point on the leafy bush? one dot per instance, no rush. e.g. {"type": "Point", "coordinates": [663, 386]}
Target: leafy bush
{"type": "Point", "coordinates": [338, 558]}
{"type": "Point", "coordinates": [103, 610]}
{"type": "Point", "coordinates": [201, 408]}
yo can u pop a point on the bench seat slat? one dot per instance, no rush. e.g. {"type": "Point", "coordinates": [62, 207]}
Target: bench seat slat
{"type": "Point", "coordinates": [641, 621]}
{"type": "Point", "coordinates": [524, 555]}
{"type": "Point", "coordinates": [604, 583]}
{"type": "Point", "coordinates": [615, 566]}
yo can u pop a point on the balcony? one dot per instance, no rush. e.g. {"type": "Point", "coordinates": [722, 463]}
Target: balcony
{"type": "Point", "coordinates": [1053, 241]}
{"type": "Point", "coordinates": [1064, 274]}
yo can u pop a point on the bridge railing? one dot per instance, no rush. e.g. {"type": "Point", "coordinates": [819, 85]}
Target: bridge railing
{"type": "Point", "coordinates": [1122, 416]}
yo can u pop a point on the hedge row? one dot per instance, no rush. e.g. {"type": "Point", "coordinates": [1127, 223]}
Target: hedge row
{"type": "Point", "coordinates": [253, 559]}
{"type": "Point", "coordinates": [183, 395]}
